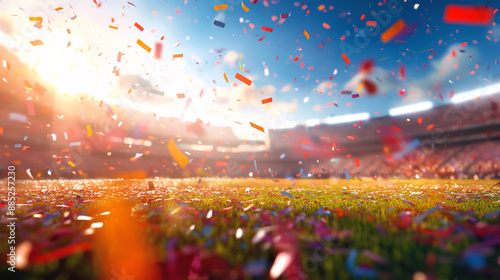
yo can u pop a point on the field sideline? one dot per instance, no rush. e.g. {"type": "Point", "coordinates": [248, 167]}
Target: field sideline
{"type": "Point", "coordinates": [208, 228]}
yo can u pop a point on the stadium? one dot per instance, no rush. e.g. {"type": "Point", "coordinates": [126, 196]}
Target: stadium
{"type": "Point", "coordinates": [125, 161]}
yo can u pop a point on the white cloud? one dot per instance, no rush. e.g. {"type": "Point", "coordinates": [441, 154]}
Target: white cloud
{"type": "Point", "coordinates": [230, 58]}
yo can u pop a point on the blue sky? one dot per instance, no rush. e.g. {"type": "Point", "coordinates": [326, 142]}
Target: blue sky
{"type": "Point", "coordinates": [430, 42]}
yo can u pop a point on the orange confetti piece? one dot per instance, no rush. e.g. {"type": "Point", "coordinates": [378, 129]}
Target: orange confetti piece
{"type": "Point", "coordinates": [419, 120]}
{"type": "Point", "coordinates": [139, 26]}
{"type": "Point", "coordinates": [321, 7]}
{"type": "Point", "coordinates": [113, 27]}
{"type": "Point", "coordinates": [220, 7]}
{"type": "Point", "coordinates": [390, 33]}
{"type": "Point", "coordinates": [58, 9]}
{"type": "Point", "coordinates": [36, 43]}
{"type": "Point", "coordinates": [306, 34]}
{"type": "Point", "coordinates": [267, 100]}
{"type": "Point", "coordinates": [181, 95]}
{"type": "Point", "coordinates": [257, 126]}
{"type": "Point", "coordinates": [245, 8]}
{"type": "Point", "coordinates": [225, 77]}
{"type": "Point", "coordinates": [326, 25]}
{"type": "Point", "coordinates": [347, 61]}
{"type": "Point", "coordinates": [178, 56]}
{"type": "Point", "coordinates": [429, 127]}
{"type": "Point", "coordinates": [144, 46]}
{"type": "Point", "coordinates": [1, 130]}
{"type": "Point", "coordinates": [36, 19]}
{"type": "Point", "coordinates": [177, 154]}
{"type": "Point", "coordinates": [243, 79]}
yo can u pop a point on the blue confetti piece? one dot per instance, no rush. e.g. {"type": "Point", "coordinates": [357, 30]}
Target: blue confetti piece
{"type": "Point", "coordinates": [206, 230]}
{"type": "Point", "coordinates": [209, 243]}
{"type": "Point", "coordinates": [255, 163]}
{"type": "Point", "coordinates": [219, 23]}
{"type": "Point", "coordinates": [346, 172]}
{"type": "Point", "coordinates": [282, 156]}
{"type": "Point", "coordinates": [287, 194]}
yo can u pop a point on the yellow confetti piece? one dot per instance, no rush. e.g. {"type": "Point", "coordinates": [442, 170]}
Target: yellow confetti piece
{"type": "Point", "coordinates": [244, 7]}
{"type": "Point", "coordinates": [114, 27]}
{"type": "Point", "coordinates": [307, 34]}
{"type": "Point", "coordinates": [241, 68]}
{"type": "Point", "coordinates": [361, 86]}
{"type": "Point", "coordinates": [177, 154]}
{"type": "Point", "coordinates": [225, 77]}
{"type": "Point", "coordinates": [89, 131]}
{"type": "Point", "coordinates": [144, 46]}
{"type": "Point", "coordinates": [36, 19]}
{"type": "Point", "coordinates": [71, 163]}
{"type": "Point", "coordinates": [220, 7]}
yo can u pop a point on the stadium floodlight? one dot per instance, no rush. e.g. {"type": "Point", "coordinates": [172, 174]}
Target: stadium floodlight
{"type": "Point", "coordinates": [312, 122]}
{"type": "Point", "coordinates": [476, 93]}
{"type": "Point", "coordinates": [348, 118]}
{"type": "Point", "coordinates": [418, 107]}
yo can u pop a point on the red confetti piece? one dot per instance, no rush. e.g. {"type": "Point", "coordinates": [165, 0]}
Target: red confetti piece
{"type": "Point", "coordinates": [347, 61]}
{"type": "Point", "coordinates": [62, 252]}
{"type": "Point", "coordinates": [283, 15]}
{"type": "Point", "coordinates": [429, 127]}
{"type": "Point", "coordinates": [357, 162]}
{"type": "Point", "coordinates": [402, 72]}
{"type": "Point", "coordinates": [158, 47]}
{"type": "Point", "coordinates": [139, 26]}
{"type": "Point", "coordinates": [355, 95]}
{"type": "Point", "coordinates": [463, 44]}
{"type": "Point", "coordinates": [221, 163]}
{"type": "Point", "coordinates": [257, 126]}
{"type": "Point", "coordinates": [396, 129]}
{"type": "Point", "coordinates": [243, 79]}
{"type": "Point", "coordinates": [326, 25]}
{"type": "Point", "coordinates": [468, 14]}
{"type": "Point", "coordinates": [262, 38]}
{"type": "Point", "coordinates": [371, 23]}
{"type": "Point", "coordinates": [268, 29]}
{"type": "Point", "coordinates": [267, 100]}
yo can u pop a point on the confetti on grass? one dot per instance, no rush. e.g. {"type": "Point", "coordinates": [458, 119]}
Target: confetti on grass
{"type": "Point", "coordinates": [286, 194]}
{"type": "Point", "coordinates": [346, 173]}
{"type": "Point", "coordinates": [219, 23]}
{"type": "Point", "coordinates": [257, 126]}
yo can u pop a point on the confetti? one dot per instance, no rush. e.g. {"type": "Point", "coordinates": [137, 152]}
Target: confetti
{"type": "Point", "coordinates": [89, 131]}
{"type": "Point", "coordinates": [243, 79]}
{"type": "Point", "coordinates": [256, 127]}
{"type": "Point", "coordinates": [284, 15]}
{"type": "Point", "coordinates": [306, 34]}
{"type": "Point", "coordinates": [177, 154]}
{"type": "Point", "coordinates": [144, 46]}
{"type": "Point", "coordinates": [244, 7]}
{"type": "Point", "coordinates": [219, 23]}
{"type": "Point", "coordinates": [267, 29]}
{"type": "Point", "coordinates": [346, 173]}
{"type": "Point", "coordinates": [139, 27]}
{"type": "Point", "coordinates": [113, 27]}
{"type": "Point", "coordinates": [221, 7]}
{"type": "Point", "coordinates": [241, 68]}
{"type": "Point", "coordinates": [158, 48]}
{"type": "Point", "coordinates": [267, 100]}
{"type": "Point", "coordinates": [177, 56]}
{"type": "Point", "coordinates": [468, 14]}
{"type": "Point", "coordinates": [225, 77]}
{"type": "Point", "coordinates": [36, 43]}
{"type": "Point", "coordinates": [347, 61]}
{"type": "Point", "coordinates": [392, 31]}
{"type": "Point", "coordinates": [181, 95]}
{"type": "Point", "coordinates": [36, 19]}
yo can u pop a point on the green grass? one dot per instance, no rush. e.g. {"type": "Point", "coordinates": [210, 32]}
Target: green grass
{"type": "Point", "coordinates": [326, 221]}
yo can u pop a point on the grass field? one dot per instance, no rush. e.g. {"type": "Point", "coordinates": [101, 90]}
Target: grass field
{"type": "Point", "coordinates": [255, 229]}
